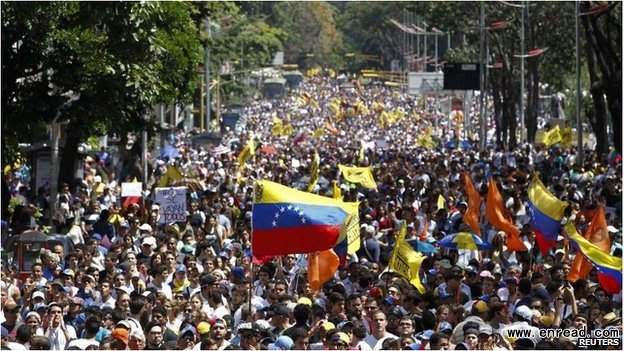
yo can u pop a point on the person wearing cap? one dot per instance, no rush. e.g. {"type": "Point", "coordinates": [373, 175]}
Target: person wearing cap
{"type": "Point", "coordinates": [521, 318]}
{"type": "Point", "coordinates": [340, 341]}
{"type": "Point", "coordinates": [148, 245]}
{"type": "Point", "coordinates": [217, 331]}
{"type": "Point", "coordinates": [87, 292]}
{"type": "Point", "coordinates": [280, 319]}
{"type": "Point", "coordinates": [187, 338]}
{"type": "Point", "coordinates": [486, 337]}
{"type": "Point", "coordinates": [33, 320]}
{"type": "Point", "coordinates": [179, 281]}
{"type": "Point", "coordinates": [471, 339]}
{"type": "Point", "coordinates": [249, 334]}
{"type": "Point", "coordinates": [120, 338]}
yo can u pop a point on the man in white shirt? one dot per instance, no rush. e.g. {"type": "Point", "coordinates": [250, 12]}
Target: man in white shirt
{"type": "Point", "coordinates": [160, 276]}
{"type": "Point", "coordinates": [379, 334]}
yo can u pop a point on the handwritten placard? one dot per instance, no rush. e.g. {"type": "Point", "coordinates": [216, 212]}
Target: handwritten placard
{"type": "Point", "coordinates": [172, 204]}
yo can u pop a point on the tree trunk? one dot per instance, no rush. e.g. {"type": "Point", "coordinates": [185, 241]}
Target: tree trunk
{"type": "Point", "coordinates": [597, 115]}
{"type": "Point", "coordinates": [67, 167]}
{"type": "Point", "coordinates": [533, 100]}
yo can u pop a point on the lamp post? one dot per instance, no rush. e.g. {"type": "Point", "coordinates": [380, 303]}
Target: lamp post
{"type": "Point", "coordinates": [579, 124]}
{"type": "Point", "coordinates": [522, 73]}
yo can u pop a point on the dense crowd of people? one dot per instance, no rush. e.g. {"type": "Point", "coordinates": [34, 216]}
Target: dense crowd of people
{"type": "Point", "coordinates": [132, 282]}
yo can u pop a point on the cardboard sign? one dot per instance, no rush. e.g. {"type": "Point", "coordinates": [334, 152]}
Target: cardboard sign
{"type": "Point", "coordinates": [172, 204]}
{"type": "Point", "coordinates": [131, 189]}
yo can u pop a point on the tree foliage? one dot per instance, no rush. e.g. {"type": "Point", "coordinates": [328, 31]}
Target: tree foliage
{"type": "Point", "coordinates": [116, 59]}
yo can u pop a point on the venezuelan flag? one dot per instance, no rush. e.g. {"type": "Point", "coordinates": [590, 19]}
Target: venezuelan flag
{"type": "Point", "coordinates": [288, 221]}
{"type": "Point", "coordinates": [546, 212]}
{"type": "Point", "coordinates": [609, 267]}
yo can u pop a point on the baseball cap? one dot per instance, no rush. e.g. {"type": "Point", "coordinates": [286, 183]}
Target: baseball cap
{"type": "Point", "coordinates": [238, 272]}
{"type": "Point", "coordinates": [203, 328]}
{"type": "Point", "coordinates": [328, 326]}
{"type": "Point", "coordinates": [282, 343]}
{"type": "Point", "coordinates": [120, 334]}
{"type": "Point", "coordinates": [481, 306]}
{"type": "Point", "coordinates": [150, 240]}
{"type": "Point", "coordinates": [39, 306]}
{"type": "Point", "coordinates": [219, 321]}
{"type": "Point", "coordinates": [486, 275]}
{"type": "Point", "coordinates": [446, 327]}
{"type": "Point", "coordinates": [123, 324]}
{"type": "Point", "coordinates": [37, 294]}
{"type": "Point", "coordinates": [304, 301]}
{"type": "Point", "coordinates": [33, 314]}
{"type": "Point", "coordinates": [181, 268]}
{"type": "Point", "coordinates": [189, 329]}
{"type": "Point", "coordinates": [69, 272]}
{"type": "Point", "coordinates": [340, 336]}
{"type": "Point", "coordinates": [281, 310]}
{"type": "Point", "coordinates": [485, 329]}
{"type": "Point", "coordinates": [145, 227]}
{"type": "Point", "coordinates": [524, 312]}
{"type": "Point", "coordinates": [97, 236]}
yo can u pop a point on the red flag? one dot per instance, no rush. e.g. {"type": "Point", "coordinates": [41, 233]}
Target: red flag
{"type": "Point", "coordinates": [321, 267]}
{"type": "Point", "coordinates": [471, 217]}
{"type": "Point", "coordinates": [496, 214]}
{"type": "Point", "coordinates": [598, 235]}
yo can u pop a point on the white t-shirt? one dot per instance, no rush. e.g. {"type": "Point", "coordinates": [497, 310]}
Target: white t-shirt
{"type": "Point", "coordinates": [164, 288]}
{"type": "Point", "coordinates": [376, 344]}
{"type": "Point", "coordinates": [82, 343]}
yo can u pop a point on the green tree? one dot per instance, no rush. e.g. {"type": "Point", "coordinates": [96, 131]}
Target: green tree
{"type": "Point", "coordinates": [118, 58]}
{"type": "Point", "coordinates": [311, 30]}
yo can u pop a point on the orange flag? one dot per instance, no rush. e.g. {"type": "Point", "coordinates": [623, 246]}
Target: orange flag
{"type": "Point", "coordinates": [598, 235]}
{"type": "Point", "coordinates": [471, 217]}
{"type": "Point", "coordinates": [321, 267]}
{"type": "Point", "coordinates": [495, 213]}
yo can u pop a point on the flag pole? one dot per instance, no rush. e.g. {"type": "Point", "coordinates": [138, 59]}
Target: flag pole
{"type": "Point", "coordinates": [251, 286]}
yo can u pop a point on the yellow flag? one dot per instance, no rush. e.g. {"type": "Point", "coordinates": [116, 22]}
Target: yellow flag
{"type": "Point", "coordinates": [552, 136]}
{"type": "Point", "coordinates": [441, 202]}
{"type": "Point", "coordinates": [351, 229]}
{"type": "Point", "coordinates": [314, 172]}
{"type": "Point", "coordinates": [247, 152]}
{"type": "Point", "coordinates": [566, 136]}
{"type": "Point", "coordinates": [287, 130]}
{"type": "Point", "coordinates": [337, 194]}
{"type": "Point", "coordinates": [406, 261]}
{"type": "Point", "coordinates": [318, 133]}
{"type": "Point", "coordinates": [360, 175]}
{"type": "Point", "coordinates": [277, 130]}
{"type": "Point", "coordinates": [361, 155]}
{"type": "Point", "coordinates": [170, 175]}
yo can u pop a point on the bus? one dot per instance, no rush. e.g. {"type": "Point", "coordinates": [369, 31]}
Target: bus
{"type": "Point", "coordinates": [273, 88]}
{"type": "Point", "coordinates": [293, 79]}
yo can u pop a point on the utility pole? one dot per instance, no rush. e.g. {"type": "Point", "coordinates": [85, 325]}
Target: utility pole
{"type": "Point", "coordinates": [579, 123]}
{"type": "Point", "coordinates": [482, 132]}
{"type": "Point", "coordinates": [522, 72]}
{"type": "Point", "coordinates": [207, 75]}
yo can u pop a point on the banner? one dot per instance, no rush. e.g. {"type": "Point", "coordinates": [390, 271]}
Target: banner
{"type": "Point", "coordinates": [172, 204]}
{"type": "Point", "coordinates": [131, 189]}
